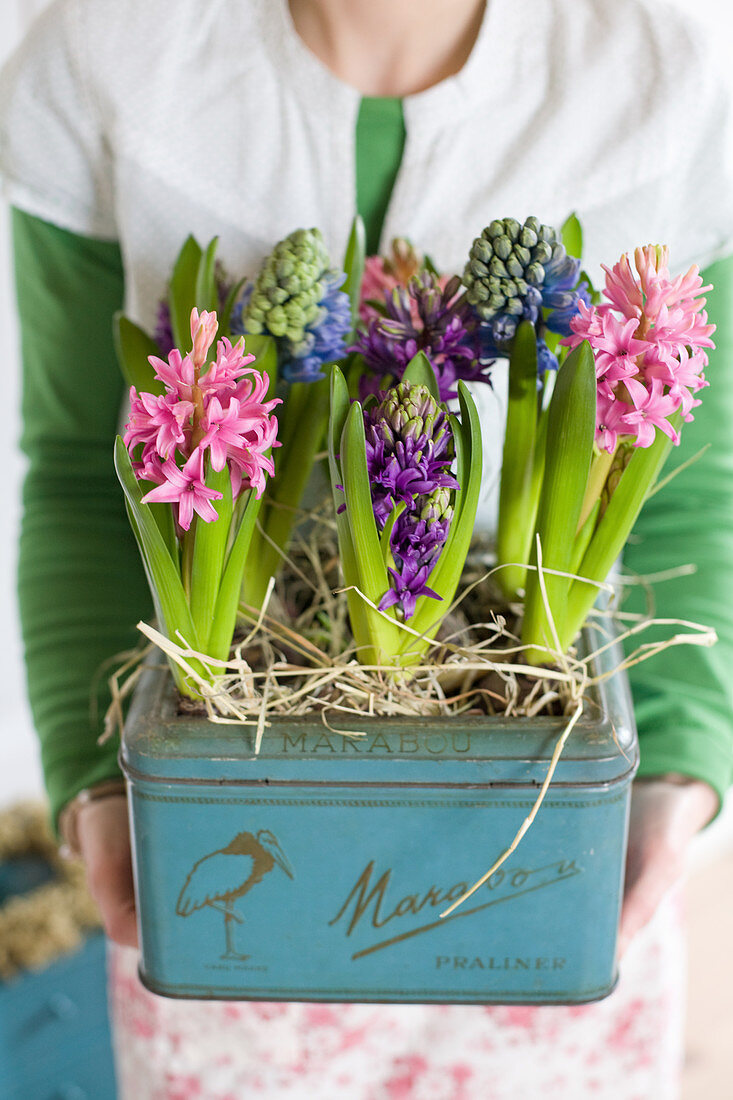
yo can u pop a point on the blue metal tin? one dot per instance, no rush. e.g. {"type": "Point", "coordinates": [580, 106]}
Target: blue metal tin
{"type": "Point", "coordinates": [318, 869]}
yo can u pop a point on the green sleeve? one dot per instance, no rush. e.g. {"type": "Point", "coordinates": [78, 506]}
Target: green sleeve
{"type": "Point", "coordinates": [684, 695]}
{"type": "Point", "coordinates": [82, 588]}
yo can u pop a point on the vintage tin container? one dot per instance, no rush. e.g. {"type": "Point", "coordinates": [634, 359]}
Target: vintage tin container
{"type": "Point", "coordinates": [318, 870]}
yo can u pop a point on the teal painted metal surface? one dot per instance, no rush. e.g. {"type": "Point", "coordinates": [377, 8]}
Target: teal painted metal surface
{"type": "Point", "coordinates": [318, 870]}
{"type": "Point", "coordinates": [54, 1031]}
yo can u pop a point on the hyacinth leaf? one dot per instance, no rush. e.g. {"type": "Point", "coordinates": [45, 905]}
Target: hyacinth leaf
{"type": "Point", "coordinates": [340, 404]}
{"type": "Point", "coordinates": [133, 346]}
{"type": "Point", "coordinates": [354, 367]}
{"type": "Point", "coordinates": [225, 612]}
{"type": "Point", "coordinates": [169, 597]}
{"type": "Point", "coordinates": [159, 616]}
{"type": "Point", "coordinates": [206, 296]}
{"type": "Point", "coordinates": [226, 313]}
{"type": "Point", "coordinates": [354, 268]}
{"type": "Point", "coordinates": [385, 539]}
{"type": "Point", "coordinates": [207, 557]}
{"type": "Point", "coordinates": [301, 434]}
{"type": "Point", "coordinates": [428, 265]}
{"type": "Point", "coordinates": [182, 291]}
{"type": "Point", "coordinates": [615, 526]}
{"type": "Point", "coordinates": [582, 539]}
{"type": "Point", "coordinates": [570, 435]}
{"type": "Point", "coordinates": [419, 371]}
{"type": "Point", "coordinates": [447, 572]}
{"type": "Point", "coordinates": [571, 236]}
{"type": "Point", "coordinates": [163, 516]}
{"type": "Point", "coordinates": [264, 349]}
{"type": "Point", "coordinates": [516, 515]}
{"type": "Point", "coordinates": [373, 579]}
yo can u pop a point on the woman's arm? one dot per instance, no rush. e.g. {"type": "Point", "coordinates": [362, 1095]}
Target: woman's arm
{"type": "Point", "coordinates": [81, 584]}
{"type": "Point", "coordinates": [684, 695]}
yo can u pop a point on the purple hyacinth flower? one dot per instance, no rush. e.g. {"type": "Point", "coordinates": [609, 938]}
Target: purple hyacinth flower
{"type": "Point", "coordinates": [409, 452]}
{"type": "Point", "coordinates": [424, 317]}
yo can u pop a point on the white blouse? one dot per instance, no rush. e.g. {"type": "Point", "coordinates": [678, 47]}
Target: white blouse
{"type": "Point", "coordinates": [150, 119]}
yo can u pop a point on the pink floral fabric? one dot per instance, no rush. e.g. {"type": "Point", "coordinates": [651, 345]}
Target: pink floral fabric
{"type": "Point", "coordinates": [627, 1047]}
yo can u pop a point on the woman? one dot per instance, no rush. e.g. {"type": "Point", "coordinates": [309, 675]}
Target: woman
{"type": "Point", "coordinates": [125, 127]}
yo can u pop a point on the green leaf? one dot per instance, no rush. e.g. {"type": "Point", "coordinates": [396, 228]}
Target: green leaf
{"type": "Point", "coordinates": [357, 608]}
{"type": "Point", "coordinates": [225, 612]}
{"type": "Point", "coordinates": [226, 313]}
{"type": "Point", "coordinates": [419, 371]}
{"type": "Point", "coordinates": [372, 578]}
{"type": "Point", "coordinates": [209, 548]}
{"type": "Point", "coordinates": [516, 513]}
{"type": "Point", "coordinates": [339, 409]}
{"type": "Point", "coordinates": [448, 569]}
{"type": "Point", "coordinates": [583, 537]}
{"type": "Point", "coordinates": [616, 524]}
{"type": "Point", "coordinates": [571, 235]}
{"type": "Point", "coordinates": [264, 349]}
{"type": "Point", "coordinates": [170, 598]}
{"type": "Point", "coordinates": [133, 346]}
{"type": "Point", "coordinates": [354, 367]}
{"type": "Point", "coordinates": [359, 508]}
{"type": "Point", "coordinates": [385, 539]}
{"type": "Point", "coordinates": [570, 436]}
{"type": "Point", "coordinates": [182, 292]}
{"type": "Point", "coordinates": [354, 267]}
{"type": "Point", "coordinates": [302, 434]}
{"type": "Point", "coordinates": [206, 295]}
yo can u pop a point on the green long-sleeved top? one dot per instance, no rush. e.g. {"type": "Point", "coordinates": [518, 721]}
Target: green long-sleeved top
{"type": "Point", "coordinates": [82, 586]}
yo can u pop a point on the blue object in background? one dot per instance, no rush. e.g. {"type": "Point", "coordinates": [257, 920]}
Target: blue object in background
{"type": "Point", "coordinates": [54, 1030]}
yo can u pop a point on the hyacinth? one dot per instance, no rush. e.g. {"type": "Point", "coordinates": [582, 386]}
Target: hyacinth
{"type": "Point", "coordinates": [423, 316]}
{"type": "Point", "coordinates": [296, 298]}
{"type": "Point", "coordinates": [383, 273]}
{"type": "Point", "coordinates": [409, 452]}
{"type": "Point", "coordinates": [163, 333]}
{"type": "Point", "coordinates": [521, 272]}
{"type": "Point", "coordinates": [649, 342]}
{"type": "Point", "coordinates": [213, 414]}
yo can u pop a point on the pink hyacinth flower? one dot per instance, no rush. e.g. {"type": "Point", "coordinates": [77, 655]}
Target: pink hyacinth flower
{"type": "Point", "coordinates": [204, 327]}
{"type": "Point", "coordinates": [651, 413]}
{"type": "Point", "coordinates": [648, 341]}
{"type": "Point", "coordinates": [617, 349]}
{"type": "Point", "coordinates": [609, 422]}
{"type": "Point", "coordinates": [157, 419]}
{"type": "Point", "coordinates": [186, 488]}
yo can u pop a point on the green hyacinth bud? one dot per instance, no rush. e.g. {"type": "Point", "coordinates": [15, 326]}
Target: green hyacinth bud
{"type": "Point", "coordinates": [284, 301]}
{"type": "Point", "coordinates": [437, 506]}
{"type": "Point", "coordinates": [505, 262]}
{"type": "Point", "coordinates": [411, 411]}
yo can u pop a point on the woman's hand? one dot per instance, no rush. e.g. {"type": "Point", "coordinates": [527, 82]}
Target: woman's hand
{"type": "Point", "coordinates": [665, 815]}
{"type": "Point", "coordinates": [104, 842]}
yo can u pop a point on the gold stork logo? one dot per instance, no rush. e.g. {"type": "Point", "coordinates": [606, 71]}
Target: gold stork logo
{"type": "Point", "coordinates": [370, 902]}
{"type": "Point", "coordinates": [221, 877]}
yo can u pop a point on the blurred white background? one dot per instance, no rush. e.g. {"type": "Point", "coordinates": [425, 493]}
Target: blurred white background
{"type": "Point", "coordinates": [19, 769]}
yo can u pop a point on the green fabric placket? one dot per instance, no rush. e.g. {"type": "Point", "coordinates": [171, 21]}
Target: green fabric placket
{"type": "Point", "coordinates": [380, 143]}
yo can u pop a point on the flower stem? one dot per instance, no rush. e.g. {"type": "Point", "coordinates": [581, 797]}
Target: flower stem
{"type": "Point", "coordinates": [302, 435]}
{"type": "Point", "coordinates": [516, 507]}
{"type": "Point", "coordinates": [599, 470]}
